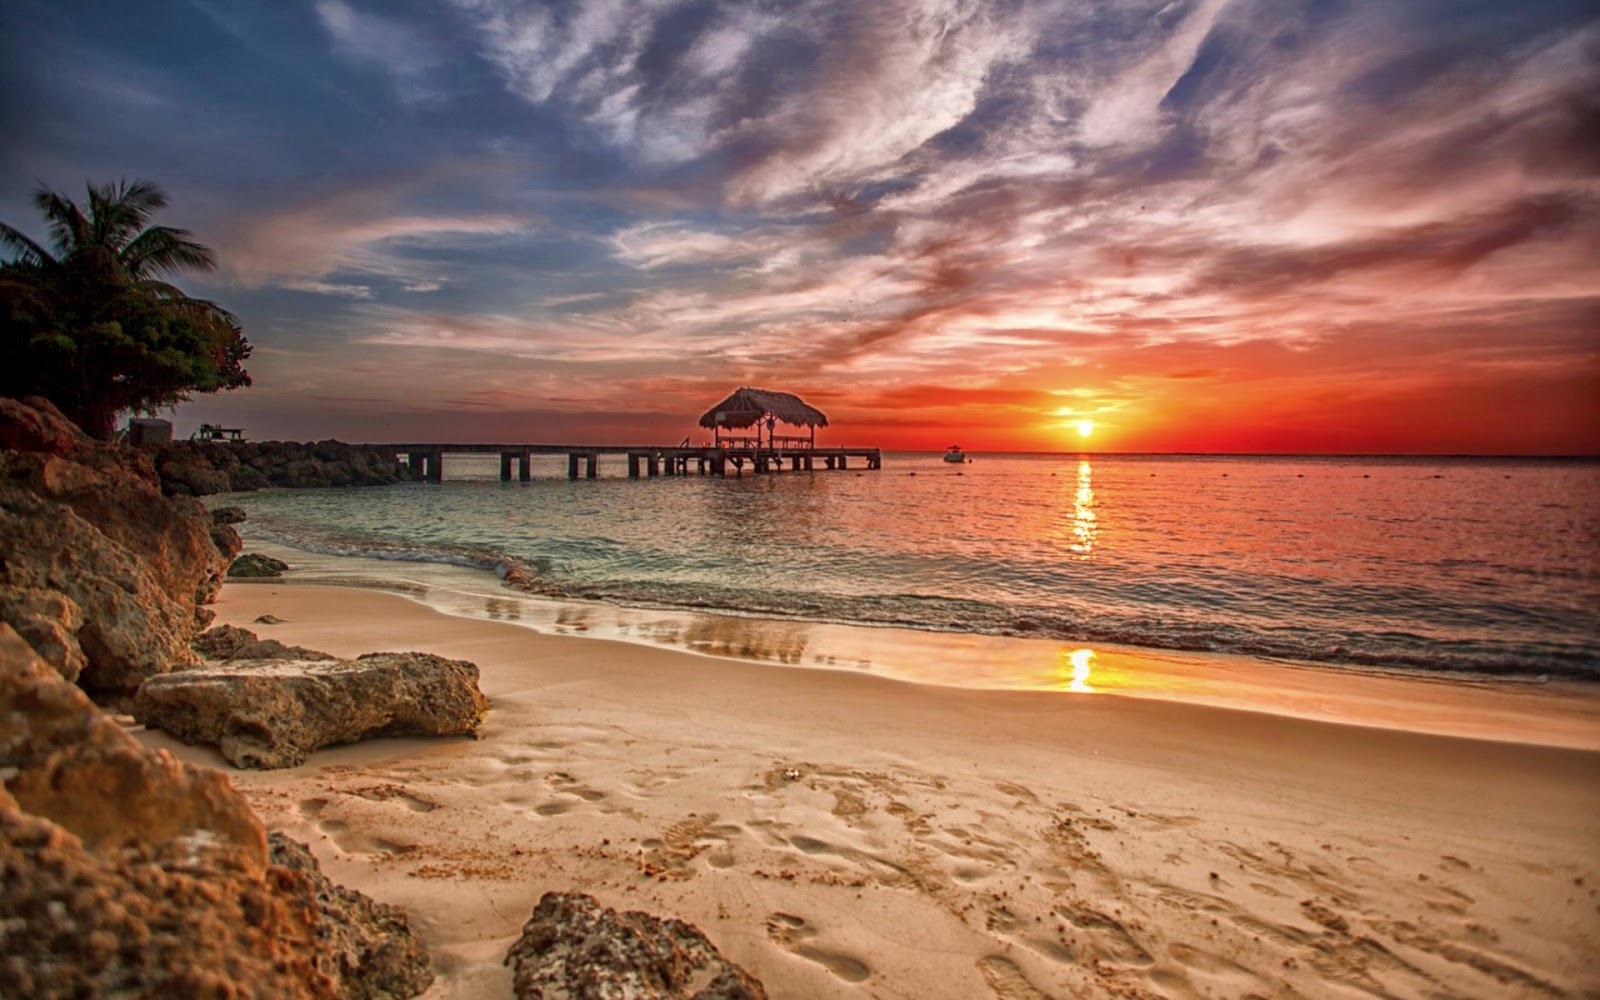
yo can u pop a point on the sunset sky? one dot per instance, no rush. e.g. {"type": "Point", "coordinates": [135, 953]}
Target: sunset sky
{"type": "Point", "coordinates": [1215, 225]}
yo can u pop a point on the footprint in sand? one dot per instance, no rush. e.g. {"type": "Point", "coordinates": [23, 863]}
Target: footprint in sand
{"type": "Point", "coordinates": [389, 791]}
{"type": "Point", "coordinates": [563, 782]}
{"type": "Point", "coordinates": [1006, 981]}
{"type": "Point", "coordinates": [668, 856]}
{"type": "Point", "coordinates": [793, 933]}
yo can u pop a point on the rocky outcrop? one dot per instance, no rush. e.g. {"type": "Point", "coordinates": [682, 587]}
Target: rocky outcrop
{"type": "Point", "coordinates": [106, 575]}
{"type": "Point", "coordinates": [573, 947]}
{"type": "Point", "coordinates": [128, 873]}
{"type": "Point", "coordinates": [254, 565]}
{"type": "Point", "coordinates": [230, 642]}
{"type": "Point", "coordinates": [274, 713]}
{"type": "Point", "coordinates": [200, 468]}
{"type": "Point", "coordinates": [366, 946]}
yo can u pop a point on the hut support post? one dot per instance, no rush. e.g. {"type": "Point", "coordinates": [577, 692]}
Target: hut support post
{"type": "Point", "coordinates": [652, 465]}
{"type": "Point", "coordinates": [525, 466]}
{"type": "Point", "coordinates": [592, 470]}
{"type": "Point", "coordinates": [572, 465]}
{"type": "Point", "coordinates": [633, 465]}
{"type": "Point", "coordinates": [505, 466]}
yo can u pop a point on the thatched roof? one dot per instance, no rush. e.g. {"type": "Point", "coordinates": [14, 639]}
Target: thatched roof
{"type": "Point", "coordinates": [746, 407]}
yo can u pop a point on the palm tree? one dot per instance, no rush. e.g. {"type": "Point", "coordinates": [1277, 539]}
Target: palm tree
{"type": "Point", "coordinates": [94, 324]}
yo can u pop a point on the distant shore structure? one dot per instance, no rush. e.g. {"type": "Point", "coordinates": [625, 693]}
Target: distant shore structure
{"type": "Point", "coordinates": [726, 453]}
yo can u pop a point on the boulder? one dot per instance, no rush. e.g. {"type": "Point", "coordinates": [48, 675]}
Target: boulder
{"type": "Point", "coordinates": [228, 515]}
{"type": "Point", "coordinates": [129, 873]}
{"type": "Point", "coordinates": [126, 625]}
{"type": "Point", "coordinates": [274, 713]}
{"type": "Point", "coordinates": [230, 642]}
{"type": "Point", "coordinates": [573, 947]}
{"type": "Point", "coordinates": [367, 946]}
{"type": "Point", "coordinates": [254, 565]}
{"type": "Point", "coordinates": [86, 523]}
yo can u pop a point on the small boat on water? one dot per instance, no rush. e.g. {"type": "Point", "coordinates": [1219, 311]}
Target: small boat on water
{"type": "Point", "coordinates": [955, 454]}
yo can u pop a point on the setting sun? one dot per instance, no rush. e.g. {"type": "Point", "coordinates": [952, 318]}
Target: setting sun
{"type": "Point", "coordinates": [1085, 428]}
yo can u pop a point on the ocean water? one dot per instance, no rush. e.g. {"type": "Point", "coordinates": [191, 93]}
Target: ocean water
{"type": "Point", "coordinates": [1487, 567]}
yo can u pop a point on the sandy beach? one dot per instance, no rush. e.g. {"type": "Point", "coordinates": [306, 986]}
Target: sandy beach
{"type": "Point", "coordinates": [843, 835]}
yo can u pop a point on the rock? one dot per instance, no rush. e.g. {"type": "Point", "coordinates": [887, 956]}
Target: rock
{"type": "Point", "coordinates": [192, 468]}
{"type": "Point", "coordinates": [130, 874]}
{"type": "Point", "coordinates": [369, 947]}
{"type": "Point", "coordinates": [273, 713]}
{"type": "Point", "coordinates": [254, 564]}
{"type": "Point", "coordinates": [573, 947]}
{"type": "Point", "coordinates": [229, 642]}
{"type": "Point", "coordinates": [34, 424]}
{"type": "Point", "coordinates": [127, 626]}
{"type": "Point", "coordinates": [95, 565]}
{"type": "Point", "coordinates": [268, 620]}
{"type": "Point", "coordinates": [228, 515]}
{"type": "Point", "coordinates": [47, 620]}
{"type": "Point", "coordinates": [227, 541]}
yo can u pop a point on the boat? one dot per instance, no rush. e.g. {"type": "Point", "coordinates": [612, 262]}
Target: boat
{"type": "Point", "coordinates": [955, 454]}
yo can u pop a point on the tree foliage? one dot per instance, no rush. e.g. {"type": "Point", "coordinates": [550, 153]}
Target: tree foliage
{"type": "Point", "coordinates": [93, 324]}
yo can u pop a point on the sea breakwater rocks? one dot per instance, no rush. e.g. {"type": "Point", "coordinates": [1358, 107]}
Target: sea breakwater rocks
{"type": "Point", "coordinates": [274, 713]}
{"type": "Point", "coordinates": [104, 576]}
{"type": "Point", "coordinates": [200, 468]}
{"type": "Point", "coordinates": [128, 873]}
{"type": "Point", "coordinates": [573, 947]}
{"type": "Point", "coordinates": [254, 565]}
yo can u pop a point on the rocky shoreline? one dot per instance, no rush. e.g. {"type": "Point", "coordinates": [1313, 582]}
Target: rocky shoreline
{"type": "Point", "coordinates": [201, 468]}
{"type": "Point", "coordinates": [131, 873]}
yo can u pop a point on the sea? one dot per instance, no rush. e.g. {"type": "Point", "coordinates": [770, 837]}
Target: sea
{"type": "Point", "coordinates": [1450, 567]}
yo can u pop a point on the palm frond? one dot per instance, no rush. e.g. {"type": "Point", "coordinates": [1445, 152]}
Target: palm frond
{"type": "Point", "coordinates": [69, 229]}
{"type": "Point", "coordinates": [164, 250]}
{"type": "Point", "coordinates": [25, 250]}
{"type": "Point", "coordinates": [118, 211]}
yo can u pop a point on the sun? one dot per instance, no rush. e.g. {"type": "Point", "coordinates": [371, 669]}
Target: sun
{"type": "Point", "coordinates": [1085, 428]}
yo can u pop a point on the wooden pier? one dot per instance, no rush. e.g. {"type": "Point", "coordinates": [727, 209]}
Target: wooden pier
{"type": "Point", "coordinates": [647, 460]}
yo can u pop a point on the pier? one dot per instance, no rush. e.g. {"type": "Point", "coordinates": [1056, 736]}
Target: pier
{"type": "Point", "coordinates": [730, 456]}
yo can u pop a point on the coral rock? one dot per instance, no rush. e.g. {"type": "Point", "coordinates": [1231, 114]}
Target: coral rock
{"type": "Point", "coordinates": [229, 642]}
{"type": "Point", "coordinates": [127, 873]}
{"type": "Point", "coordinates": [274, 713]}
{"type": "Point", "coordinates": [573, 947]}
{"type": "Point", "coordinates": [254, 564]}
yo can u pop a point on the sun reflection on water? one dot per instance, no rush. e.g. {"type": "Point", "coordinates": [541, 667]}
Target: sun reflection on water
{"type": "Point", "coordinates": [1084, 528]}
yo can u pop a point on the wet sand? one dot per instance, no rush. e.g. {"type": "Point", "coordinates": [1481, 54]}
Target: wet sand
{"type": "Point", "coordinates": [849, 835]}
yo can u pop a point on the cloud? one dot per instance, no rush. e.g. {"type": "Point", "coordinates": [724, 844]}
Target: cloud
{"type": "Point", "coordinates": [366, 229]}
{"type": "Point", "coordinates": [402, 51]}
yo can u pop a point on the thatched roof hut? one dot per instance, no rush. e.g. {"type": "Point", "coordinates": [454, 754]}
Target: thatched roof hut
{"type": "Point", "coordinates": [748, 407]}
{"type": "Point", "coordinates": [755, 407]}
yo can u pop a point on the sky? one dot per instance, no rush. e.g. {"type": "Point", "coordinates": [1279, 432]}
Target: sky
{"type": "Point", "coordinates": [1349, 226]}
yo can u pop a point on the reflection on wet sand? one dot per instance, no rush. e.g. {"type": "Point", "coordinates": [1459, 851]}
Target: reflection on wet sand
{"type": "Point", "coordinates": [500, 609]}
{"type": "Point", "coordinates": [740, 638]}
{"type": "Point", "coordinates": [572, 616]}
{"type": "Point", "coordinates": [1077, 669]}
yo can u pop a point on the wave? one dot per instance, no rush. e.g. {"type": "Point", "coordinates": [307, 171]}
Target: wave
{"type": "Point", "coordinates": [1327, 645]}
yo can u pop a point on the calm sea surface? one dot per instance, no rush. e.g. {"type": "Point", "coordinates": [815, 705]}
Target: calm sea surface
{"type": "Point", "coordinates": [1486, 566]}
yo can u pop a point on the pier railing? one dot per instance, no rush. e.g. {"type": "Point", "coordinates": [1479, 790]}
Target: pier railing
{"type": "Point", "coordinates": [646, 460]}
